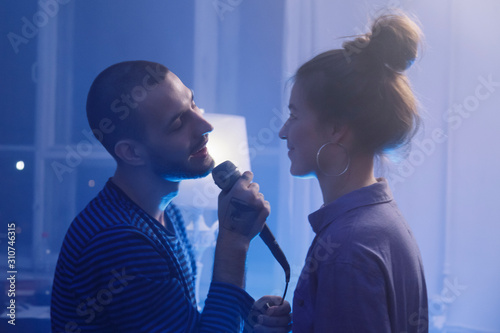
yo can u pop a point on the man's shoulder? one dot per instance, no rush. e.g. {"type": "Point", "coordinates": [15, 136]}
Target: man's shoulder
{"type": "Point", "coordinates": [101, 214]}
{"type": "Point", "coordinates": [103, 211]}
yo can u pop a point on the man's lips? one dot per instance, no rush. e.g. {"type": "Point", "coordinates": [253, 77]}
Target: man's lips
{"type": "Point", "coordinates": [201, 149]}
{"type": "Point", "coordinates": [201, 152]}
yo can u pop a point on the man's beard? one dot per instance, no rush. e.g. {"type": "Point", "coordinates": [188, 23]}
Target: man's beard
{"type": "Point", "coordinates": [175, 171]}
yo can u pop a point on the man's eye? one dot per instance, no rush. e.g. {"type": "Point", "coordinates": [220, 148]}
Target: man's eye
{"type": "Point", "coordinates": [177, 124]}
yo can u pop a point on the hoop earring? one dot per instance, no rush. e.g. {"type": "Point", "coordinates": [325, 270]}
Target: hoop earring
{"type": "Point", "coordinates": [348, 160]}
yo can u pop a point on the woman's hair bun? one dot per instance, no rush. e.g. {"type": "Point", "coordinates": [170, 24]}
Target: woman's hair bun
{"type": "Point", "coordinates": [392, 42]}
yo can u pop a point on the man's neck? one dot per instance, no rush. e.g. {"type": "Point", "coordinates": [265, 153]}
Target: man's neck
{"type": "Point", "coordinates": [148, 191]}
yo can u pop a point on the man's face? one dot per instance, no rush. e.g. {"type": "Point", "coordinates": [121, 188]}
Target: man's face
{"type": "Point", "coordinates": [175, 132]}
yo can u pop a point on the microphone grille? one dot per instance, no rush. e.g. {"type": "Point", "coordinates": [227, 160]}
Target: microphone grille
{"type": "Point", "coordinates": [225, 175]}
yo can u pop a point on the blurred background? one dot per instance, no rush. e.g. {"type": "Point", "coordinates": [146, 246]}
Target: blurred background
{"type": "Point", "coordinates": [237, 56]}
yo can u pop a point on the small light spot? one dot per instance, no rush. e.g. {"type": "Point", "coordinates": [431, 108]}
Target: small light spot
{"type": "Point", "coordinates": [20, 165]}
{"type": "Point", "coordinates": [47, 251]}
{"type": "Point", "coordinates": [91, 183]}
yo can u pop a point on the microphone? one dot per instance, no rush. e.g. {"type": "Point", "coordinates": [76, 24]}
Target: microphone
{"type": "Point", "coordinates": [225, 175]}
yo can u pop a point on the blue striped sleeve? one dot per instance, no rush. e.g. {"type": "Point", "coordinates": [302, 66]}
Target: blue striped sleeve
{"type": "Point", "coordinates": [225, 306]}
{"type": "Point", "coordinates": [127, 282]}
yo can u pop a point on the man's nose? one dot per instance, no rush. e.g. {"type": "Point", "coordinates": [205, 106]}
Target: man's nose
{"type": "Point", "coordinates": [204, 126]}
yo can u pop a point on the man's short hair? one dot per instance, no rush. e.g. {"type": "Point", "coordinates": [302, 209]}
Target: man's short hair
{"type": "Point", "coordinates": [113, 100]}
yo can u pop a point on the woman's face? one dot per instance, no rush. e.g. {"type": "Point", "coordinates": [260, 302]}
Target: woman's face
{"type": "Point", "coordinates": [304, 134]}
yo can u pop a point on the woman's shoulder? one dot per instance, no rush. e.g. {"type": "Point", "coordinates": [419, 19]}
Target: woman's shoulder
{"type": "Point", "coordinates": [369, 231]}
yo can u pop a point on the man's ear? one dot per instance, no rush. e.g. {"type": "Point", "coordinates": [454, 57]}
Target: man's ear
{"type": "Point", "coordinates": [130, 152]}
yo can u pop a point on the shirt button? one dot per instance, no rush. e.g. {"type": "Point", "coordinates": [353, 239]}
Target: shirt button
{"type": "Point", "coordinates": [300, 302]}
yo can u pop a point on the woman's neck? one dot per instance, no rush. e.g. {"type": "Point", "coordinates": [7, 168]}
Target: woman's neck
{"type": "Point", "coordinates": [359, 174]}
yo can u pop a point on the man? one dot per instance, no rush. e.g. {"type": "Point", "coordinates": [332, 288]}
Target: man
{"type": "Point", "coordinates": [126, 264]}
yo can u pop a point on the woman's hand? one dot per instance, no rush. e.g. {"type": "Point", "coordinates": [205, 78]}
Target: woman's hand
{"type": "Point", "coordinates": [270, 317]}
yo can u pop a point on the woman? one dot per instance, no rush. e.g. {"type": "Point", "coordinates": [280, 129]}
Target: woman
{"type": "Point", "coordinates": [363, 271]}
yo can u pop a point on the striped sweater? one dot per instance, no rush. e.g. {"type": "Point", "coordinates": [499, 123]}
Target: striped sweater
{"type": "Point", "coordinates": [120, 270]}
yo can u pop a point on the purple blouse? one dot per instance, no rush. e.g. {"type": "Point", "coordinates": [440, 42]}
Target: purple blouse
{"type": "Point", "coordinates": [363, 271]}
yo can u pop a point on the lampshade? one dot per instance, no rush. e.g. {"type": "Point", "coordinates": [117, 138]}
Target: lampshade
{"type": "Point", "coordinates": [228, 141]}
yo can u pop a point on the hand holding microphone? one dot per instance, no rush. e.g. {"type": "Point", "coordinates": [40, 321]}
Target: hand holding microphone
{"type": "Point", "coordinates": [239, 212]}
{"type": "Point", "coordinates": [242, 209]}
{"type": "Point", "coordinates": [242, 213]}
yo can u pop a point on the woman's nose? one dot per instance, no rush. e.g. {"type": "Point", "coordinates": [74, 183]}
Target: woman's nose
{"type": "Point", "coordinates": [282, 132]}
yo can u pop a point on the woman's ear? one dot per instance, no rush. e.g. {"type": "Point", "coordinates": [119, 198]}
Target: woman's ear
{"type": "Point", "coordinates": [130, 152]}
{"type": "Point", "coordinates": [338, 132]}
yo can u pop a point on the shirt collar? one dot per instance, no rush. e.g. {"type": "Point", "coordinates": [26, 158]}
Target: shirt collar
{"type": "Point", "coordinates": [112, 190]}
{"type": "Point", "coordinates": [369, 195]}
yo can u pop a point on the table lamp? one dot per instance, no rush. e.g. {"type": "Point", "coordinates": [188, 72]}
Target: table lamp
{"type": "Point", "coordinates": [228, 141]}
